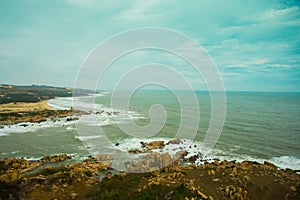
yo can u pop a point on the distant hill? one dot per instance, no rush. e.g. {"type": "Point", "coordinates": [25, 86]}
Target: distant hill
{"type": "Point", "coordinates": [32, 93]}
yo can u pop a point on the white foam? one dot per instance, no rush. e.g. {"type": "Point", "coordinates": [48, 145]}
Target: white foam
{"type": "Point", "coordinates": [71, 127]}
{"type": "Point", "coordinates": [282, 162]}
{"type": "Point", "coordinates": [82, 138]}
{"type": "Point", "coordinates": [286, 162]}
{"type": "Point", "coordinates": [61, 103]}
{"type": "Point", "coordinates": [135, 143]}
{"type": "Point", "coordinates": [2, 134]}
{"type": "Point", "coordinates": [31, 127]}
{"type": "Point", "coordinates": [99, 116]}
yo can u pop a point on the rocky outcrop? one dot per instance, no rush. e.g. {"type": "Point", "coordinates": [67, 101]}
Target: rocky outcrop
{"type": "Point", "coordinates": [35, 116]}
{"type": "Point", "coordinates": [169, 178]}
{"type": "Point", "coordinates": [17, 167]}
{"type": "Point", "coordinates": [155, 145]}
{"type": "Point", "coordinates": [151, 162]}
{"type": "Point", "coordinates": [174, 141]}
{"type": "Point", "coordinates": [104, 157]}
{"type": "Point", "coordinates": [55, 158]}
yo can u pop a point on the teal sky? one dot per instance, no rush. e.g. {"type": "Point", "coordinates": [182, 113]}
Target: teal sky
{"type": "Point", "coordinates": [255, 44]}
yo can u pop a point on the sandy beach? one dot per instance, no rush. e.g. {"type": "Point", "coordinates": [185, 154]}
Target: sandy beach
{"type": "Point", "coordinates": [21, 112]}
{"type": "Point", "coordinates": [24, 107]}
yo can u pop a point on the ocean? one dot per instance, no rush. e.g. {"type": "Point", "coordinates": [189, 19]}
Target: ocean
{"type": "Point", "coordinates": [258, 126]}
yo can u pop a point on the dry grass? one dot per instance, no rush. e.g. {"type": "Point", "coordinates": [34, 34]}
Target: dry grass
{"type": "Point", "coordinates": [24, 107]}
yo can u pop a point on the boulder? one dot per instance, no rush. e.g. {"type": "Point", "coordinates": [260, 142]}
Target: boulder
{"type": "Point", "coordinates": [7, 161]}
{"type": "Point", "coordinates": [167, 159]}
{"type": "Point", "coordinates": [144, 145]}
{"type": "Point", "coordinates": [106, 165]}
{"type": "Point", "coordinates": [174, 141]}
{"type": "Point", "coordinates": [269, 164]}
{"type": "Point", "coordinates": [32, 166]}
{"type": "Point", "coordinates": [156, 145]}
{"type": "Point", "coordinates": [108, 175]}
{"type": "Point", "coordinates": [104, 157]}
{"type": "Point", "coordinates": [63, 157]}
{"type": "Point", "coordinates": [54, 159]}
{"type": "Point", "coordinates": [180, 154]}
{"type": "Point", "coordinates": [135, 151]}
{"type": "Point", "coordinates": [216, 162]}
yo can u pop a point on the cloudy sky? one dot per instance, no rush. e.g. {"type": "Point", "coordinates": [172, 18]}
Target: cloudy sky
{"type": "Point", "coordinates": [255, 44]}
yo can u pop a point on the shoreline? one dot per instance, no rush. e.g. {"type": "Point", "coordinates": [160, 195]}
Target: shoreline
{"type": "Point", "coordinates": [25, 106]}
{"type": "Point", "coordinates": [93, 178]}
{"type": "Point", "coordinates": [134, 146]}
{"type": "Point", "coordinates": [53, 177]}
{"type": "Point", "coordinates": [34, 112]}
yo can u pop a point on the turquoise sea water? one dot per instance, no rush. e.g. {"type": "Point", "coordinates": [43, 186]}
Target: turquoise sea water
{"type": "Point", "coordinates": [259, 126]}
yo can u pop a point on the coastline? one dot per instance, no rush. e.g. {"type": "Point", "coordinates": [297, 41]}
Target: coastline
{"type": "Point", "coordinates": [25, 106]}
{"type": "Point", "coordinates": [34, 112]}
{"type": "Point", "coordinates": [93, 178]}
{"type": "Point", "coordinates": [54, 177]}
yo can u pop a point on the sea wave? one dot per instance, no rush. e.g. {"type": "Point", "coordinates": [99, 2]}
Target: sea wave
{"type": "Point", "coordinates": [31, 127]}
{"type": "Point", "coordinates": [291, 162]}
{"type": "Point", "coordinates": [82, 138]}
{"type": "Point", "coordinates": [99, 116]}
{"type": "Point", "coordinates": [194, 148]}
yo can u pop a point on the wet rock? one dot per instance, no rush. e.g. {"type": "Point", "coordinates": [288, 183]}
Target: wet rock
{"type": "Point", "coordinates": [105, 157]}
{"type": "Point", "coordinates": [151, 162]}
{"type": "Point", "coordinates": [216, 162]}
{"type": "Point", "coordinates": [7, 161]}
{"type": "Point", "coordinates": [45, 159]}
{"type": "Point", "coordinates": [144, 145]}
{"type": "Point", "coordinates": [174, 141]}
{"type": "Point", "coordinates": [69, 119]}
{"type": "Point", "coordinates": [55, 158]}
{"type": "Point", "coordinates": [270, 164]}
{"type": "Point", "coordinates": [135, 151]}
{"type": "Point", "coordinates": [19, 163]}
{"type": "Point", "coordinates": [181, 154]}
{"type": "Point", "coordinates": [32, 166]}
{"type": "Point", "coordinates": [24, 125]}
{"type": "Point", "coordinates": [156, 145]}
{"type": "Point", "coordinates": [63, 157]}
{"type": "Point", "coordinates": [223, 162]}
{"type": "Point", "coordinates": [167, 159]}
{"type": "Point", "coordinates": [193, 158]}
{"type": "Point", "coordinates": [108, 175]}
{"type": "Point", "coordinates": [105, 165]}
{"type": "Point", "coordinates": [230, 164]}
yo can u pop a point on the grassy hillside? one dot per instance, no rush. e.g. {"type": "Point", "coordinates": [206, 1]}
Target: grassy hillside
{"type": "Point", "coordinates": [33, 93]}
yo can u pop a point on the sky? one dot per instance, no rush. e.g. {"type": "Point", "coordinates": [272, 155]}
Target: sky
{"type": "Point", "coordinates": [254, 44]}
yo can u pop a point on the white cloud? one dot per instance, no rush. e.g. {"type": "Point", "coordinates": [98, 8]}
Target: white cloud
{"type": "Point", "coordinates": [245, 39]}
{"type": "Point", "coordinates": [279, 14]}
{"type": "Point", "coordinates": [82, 2]}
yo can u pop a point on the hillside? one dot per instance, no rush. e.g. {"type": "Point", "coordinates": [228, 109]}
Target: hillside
{"type": "Point", "coordinates": [33, 93]}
